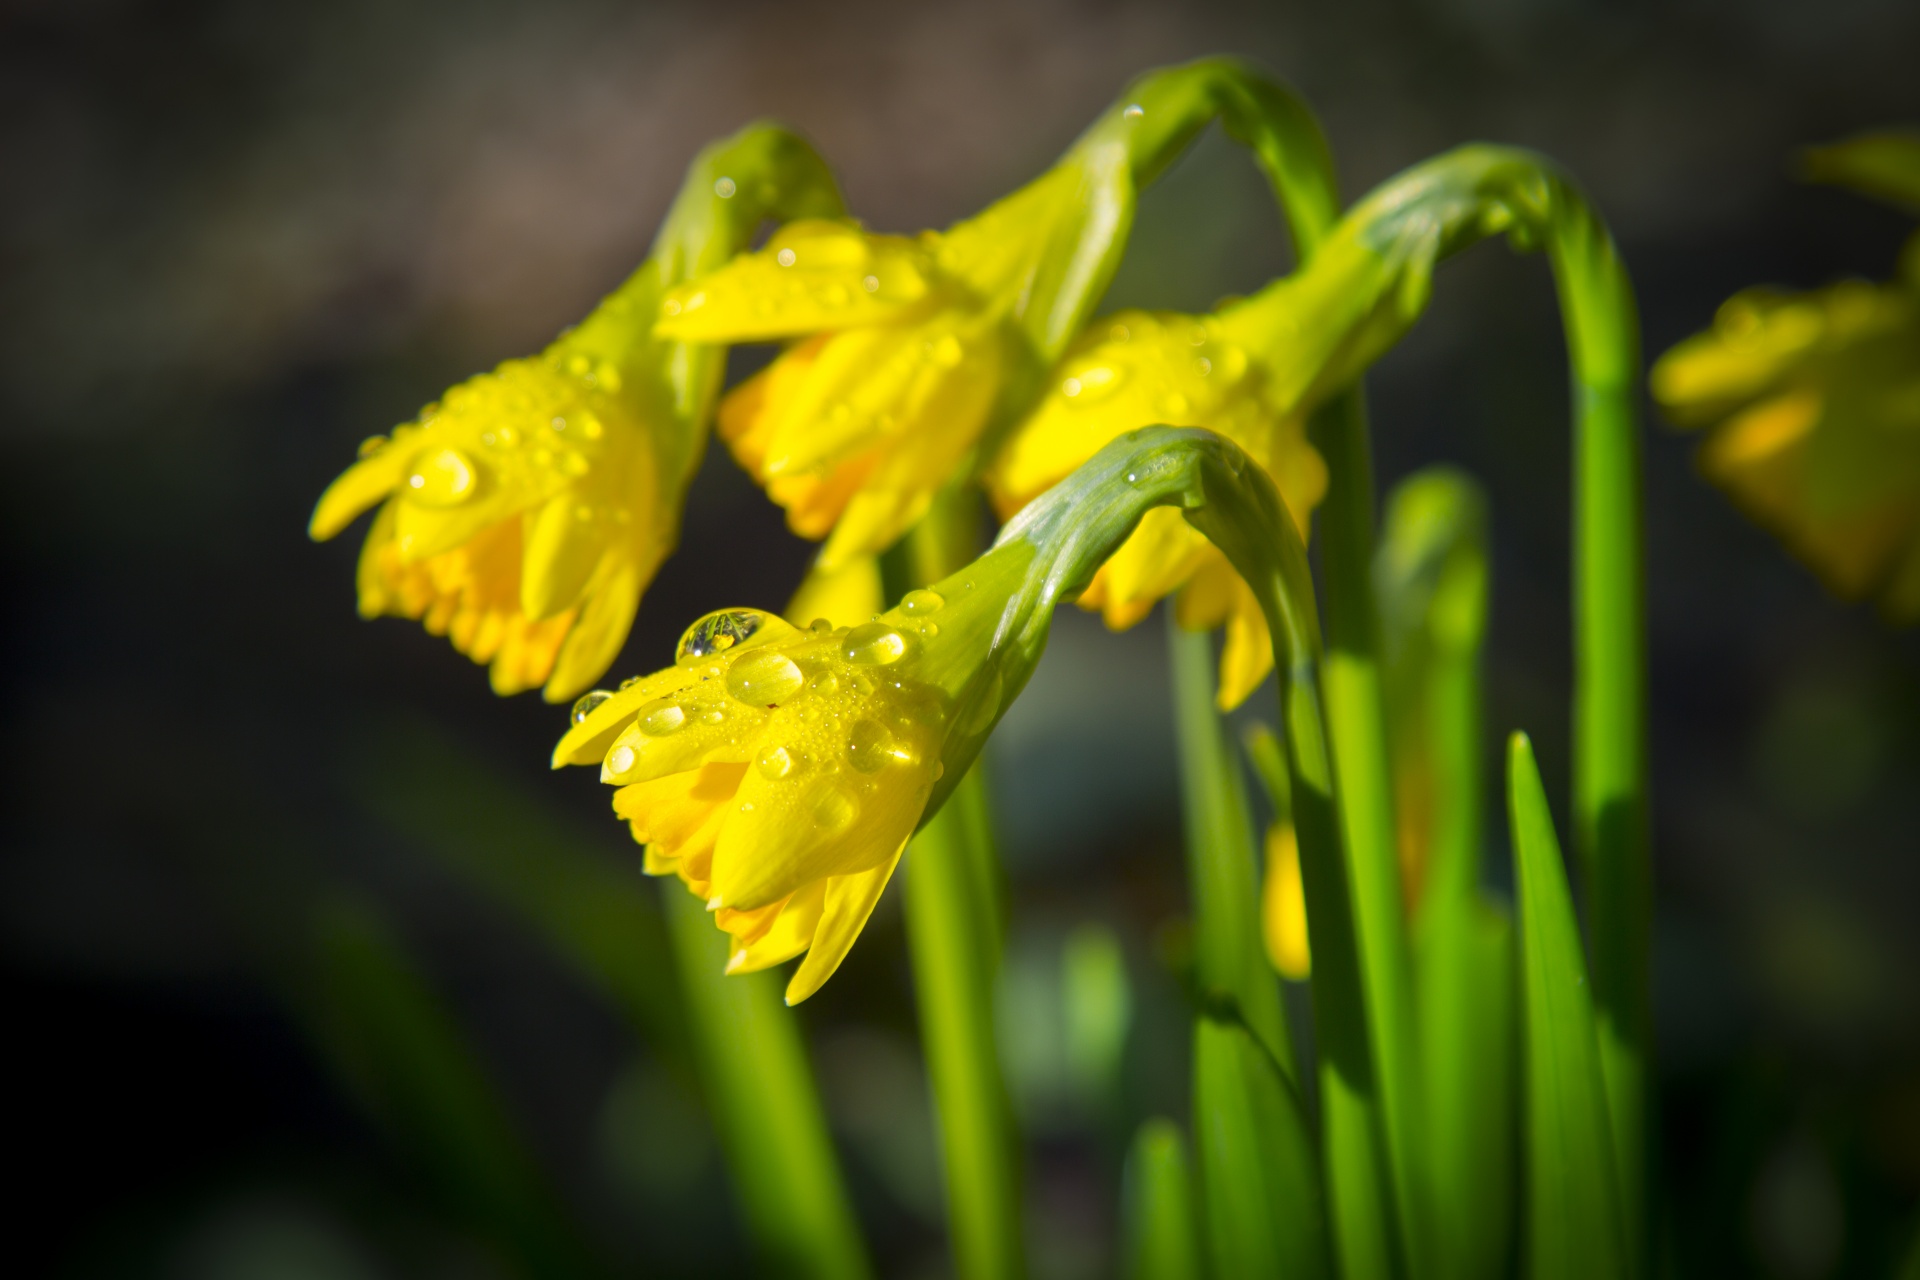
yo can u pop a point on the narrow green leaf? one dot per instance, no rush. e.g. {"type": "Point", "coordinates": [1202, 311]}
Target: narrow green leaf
{"type": "Point", "coordinates": [1574, 1225]}
{"type": "Point", "coordinates": [1161, 1242]}
{"type": "Point", "coordinates": [1260, 1187]}
{"type": "Point", "coordinates": [1230, 962]}
{"type": "Point", "coordinates": [776, 1137]}
{"type": "Point", "coordinates": [392, 1039]}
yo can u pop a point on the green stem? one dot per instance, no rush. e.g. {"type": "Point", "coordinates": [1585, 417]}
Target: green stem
{"type": "Point", "coordinates": [1387, 247]}
{"type": "Point", "coordinates": [775, 1136]}
{"type": "Point", "coordinates": [955, 933]}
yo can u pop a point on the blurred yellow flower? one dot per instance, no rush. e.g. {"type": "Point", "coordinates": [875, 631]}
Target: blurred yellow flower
{"type": "Point", "coordinates": [1283, 906]}
{"type": "Point", "coordinates": [1137, 368]}
{"type": "Point", "coordinates": [1816, 401]}
{"type": "Point", "coordinates": [779, 772]}
{"type": "Point", "coordinates": [904, 351]}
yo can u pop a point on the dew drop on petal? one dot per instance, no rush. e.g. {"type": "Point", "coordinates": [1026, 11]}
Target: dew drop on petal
{"type": "Point", "coordinates": [922, 602]}
{"type": "Point", "coordinates": [764, 679]}
{"type": "Point", "coordinates": [584, 705]}
{"type": "Point", "coordinates": [929, 629]}
{"type": "Point", "coordinates": [1134, 111]}
{"type": "Point", "coordinates": [371, 444]}
{"type": "Point", "coordinates": [619, 760]}
{"type": "Point", "coordinates": [823, 683]}
{"type": "Point", "coordinates": [785, 257]}
{"type": "Point", "coordinates": [725, 188]}
{"type": "Point", "coordinates": [717, 632]}
{"type": "Point", "coordinates": [443, 478]}
{"type": "Point", "coordinates": [774, 763]}
{"type": "Point", "coordinates": [1070, 388]}
{"type": "Point", "coordinates": [833, 809]}
{"type": "Point", "coordinates": [661, 717]}
{"type": "Point", "coordinates": [873, 644]}
{"type": "Point", "coordinates": [870, 283]}
{"type": "Point", "coordinates": [713, 715]}
{"type": "Point", "coordinates": [871, 748]}
{"type": "Point", "coordinates": [628, 683]}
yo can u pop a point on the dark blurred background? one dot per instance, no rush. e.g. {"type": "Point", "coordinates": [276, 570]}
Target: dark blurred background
{"type": "Point", "coordinates": [235, 239]}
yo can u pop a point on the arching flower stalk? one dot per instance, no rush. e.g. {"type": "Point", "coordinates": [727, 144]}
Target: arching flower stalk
{"type": "Point", "coordinates": [524, 513]}
{"type": "Point", "coordinates": [1814, 403]}
{"type": "Point", "coordinates": [779, 770]}
{"type": "Point", "coordinates": [910, 352]}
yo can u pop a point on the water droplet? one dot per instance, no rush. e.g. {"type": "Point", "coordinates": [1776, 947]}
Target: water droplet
{"type": "Point", "coordinates": [823, 683]}
{"type": "Point", "coordinates": [725, 188]}
{"type": "Point", "coordinates": [873, 644]}
{"type": "Point", "coordinates": [629, 682]}
{"type": "Point", "coordinates": [1202, 365]}
{"type": "Point", "coordinates": [1071, 387]}
{"type": "Point", "coordinates": [443, 478]}
{"type": "Point", "coordinates": [870, 283]}
{"type": "Point", "coordinates": [718, 632]}
{"type": "Point", "coordinates": [833, 809]}
{"type": "Point", "coordinates": [764, 679]}
{"type": "Point", "coordinates": [584, 705]}
{"type": "Point", "coordinates": [820, 626]}
{"type": "Point", "coordinates": [671, 307]}
{"type": "Point", "coordinates": [371, 444]}
{"type": "Point", "coordinates": [662, 717]}
{"type": "Point", "coordinates": [620, 760]}
{"type": "Point", "coordinates": [785, 257]}
{"type": "Point", "coordinates": [1119, 333]}
{"type": "Point", "coordinates": [871, 748]}
{"type": "Point", "coordinates": [774, 763]}
{"type": "Point", "coordinates": [1134, 111]}
{"type": "Point", "coordinates": [713, 715]}
{"type": "Point", "coordinates": [918, 603]}
{"type": "Point", "coordinates": [929, 629]}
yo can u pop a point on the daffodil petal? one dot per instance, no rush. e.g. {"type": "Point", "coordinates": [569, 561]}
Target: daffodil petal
{"type": "Point", "coordinates": [598, 634]}
{"type": "Point", "coordinates": [1247, 656]}
{"type": "Point", "coordinates": [846, 596]}
{"type": "Point", "coordinates": [360, 486]}
{"type": "Point", "coordinates": [562, 551]}
{"type": "Point", "coordinates": [587, 741]}
{"type": "Point", "coordinates": [850, 900]}
{"type": "Point", "coordinates": [791, 932]}
{"type": "Point", "coordinates": [1283, 906]}
{"type": "Point", "coordinates": [812, 275]}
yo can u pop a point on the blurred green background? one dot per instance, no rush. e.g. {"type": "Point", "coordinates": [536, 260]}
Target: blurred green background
{"type": "Point", "coordinates": [280, 891]}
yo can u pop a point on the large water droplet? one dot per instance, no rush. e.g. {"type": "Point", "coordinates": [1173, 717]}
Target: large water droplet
{"type": "Point", "coordinates": [785, 257]}
{"type": "Point", "coordinates": [774, 763]}
{"type": "Point", "coordinates": [725, 188]}
{"type": "Point", "coordinates": [717, 632]}
{"type": "Point", "coordinates": [619, 761]}
{"type": "Point", "coordinates": [584, 705]}
{"type": "Point", "coordinates": [443, 478]}
{"type": "Point", "coordinates": [871, 748]}
{"type": "Point", "coordinates": [764, 679]}
{"type": "Point", "coordinates": [662, 717]}
{"type": "Point", "coordinates": [1134, 111]}
{"type": "Point", "coordinates": [922, 602]}
{"type": "Point", "coordinates": [823, 683]}
{"type": "Point", "coordinates": [832, 807]}
{"type": "Point", "coordinates": [873, 644]}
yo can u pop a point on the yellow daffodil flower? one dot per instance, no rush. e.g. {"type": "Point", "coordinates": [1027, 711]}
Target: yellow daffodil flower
{"type": "Point", "coordinates": [907, 352]}
{"type": "Point", "coordinates": [1283, 906]}
{"type": "Point", "coordinates": [1212, 371]}
{"type": "Point", "coordinates": [778, 771]}
{"type": "Point", "coordinates": [524, 513]}
{"type": "Point", "coordinates": [1815, 401]}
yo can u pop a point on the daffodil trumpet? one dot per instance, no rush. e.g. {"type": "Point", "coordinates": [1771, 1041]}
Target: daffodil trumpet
{"type": "Point", "coordinates": [910, 355]}
{"type": "Point", "coordinates": [524, 513]}
{"type": "Point", "coordinates": [779, 770]}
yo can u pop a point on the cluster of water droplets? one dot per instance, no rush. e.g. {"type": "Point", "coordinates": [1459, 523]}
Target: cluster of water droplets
{"type": "Point", "coordinates": [829, 719]}
{"type": "Point", "coordinates": [1178, 366]}
{"type": "Point", "coordinates": [527, 424]}
{"type": "Point", "coordinates": [824, 266]}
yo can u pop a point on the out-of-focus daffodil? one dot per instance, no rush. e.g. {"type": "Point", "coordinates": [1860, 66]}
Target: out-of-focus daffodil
{"type": "Point", "coordinates": [1283, 906]}
{"type": "Point", "coordinates": [1214, 371]}
{"type": "Point", "coordinates": [1815, 401]}
{"type": "Point", "coordinates": [524, 513]}
{"type": "Point", "coordinates": [907, 351]}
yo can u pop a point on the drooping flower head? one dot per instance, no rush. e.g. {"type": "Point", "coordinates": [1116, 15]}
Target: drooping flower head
{"type": "Point", "coordinates": [1215, 371]}
{"type": "Point", "coordinates": [524, 513]}
{"type": "Point", "coordinates": [779, 770]}
{"type": "Point", "coordinates": [1815, 403]}
{"type": "Point", "coordinates": [908, 351]}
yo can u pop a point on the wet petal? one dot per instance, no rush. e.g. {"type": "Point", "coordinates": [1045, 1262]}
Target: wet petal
{"type": "Point", "coordinates": [850, 900]}
{"type": "Point", "coordinates": [790, 932]}
{"type": "Point", "coordinates": [597, 636]}
{"type": "Point", "coordinates": [587, 741]}
{"type": "Point", "coordinates": [812, 275]}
